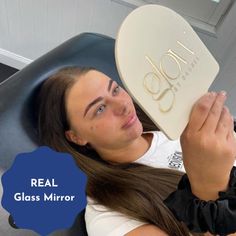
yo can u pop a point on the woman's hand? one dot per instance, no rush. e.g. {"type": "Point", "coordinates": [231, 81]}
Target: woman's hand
{"type": "Point", "coordinates": [209, 146]}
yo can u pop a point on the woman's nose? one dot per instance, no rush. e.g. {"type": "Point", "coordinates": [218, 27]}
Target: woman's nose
{"type": "Point", "coordinates": [119, 107]}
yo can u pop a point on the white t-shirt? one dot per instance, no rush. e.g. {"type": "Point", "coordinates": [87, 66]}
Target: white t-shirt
{"type": "Point", "coordinates": [101, 221]}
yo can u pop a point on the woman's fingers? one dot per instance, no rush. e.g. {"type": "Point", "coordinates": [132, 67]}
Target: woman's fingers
{"type": "Point", "coordinates": [200, 111]}
{"type": "Point", "coordinates": [231, 134]}
{"type": "Point", "coordinates": [217, 114]}
{"type": "Point", "coordinates": [231, 138]}
{"type": "Point", "coordinates": [208, 145]}
{"type": "Point", "coordinates": [206, 112]}
{"type": "Point", "coordinates": [224, 125]}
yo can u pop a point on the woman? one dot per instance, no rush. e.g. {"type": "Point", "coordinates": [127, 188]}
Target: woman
{"type": "Point", "coordinates": [85, 113]}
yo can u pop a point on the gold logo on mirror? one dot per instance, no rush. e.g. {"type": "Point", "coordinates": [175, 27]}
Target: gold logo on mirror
{"type": "Point", "coordinates": [164, 81]}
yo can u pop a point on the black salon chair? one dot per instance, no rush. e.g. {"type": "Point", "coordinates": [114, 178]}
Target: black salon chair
{"type": "Point", "coordinates": [17, 120]}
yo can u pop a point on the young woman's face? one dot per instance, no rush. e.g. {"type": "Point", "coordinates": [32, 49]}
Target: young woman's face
{"type": "Point", "coordinates": [101, 113]}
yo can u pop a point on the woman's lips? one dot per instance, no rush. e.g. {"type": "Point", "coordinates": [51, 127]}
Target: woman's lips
{"type": "Point", "coordinates": [130, 121]}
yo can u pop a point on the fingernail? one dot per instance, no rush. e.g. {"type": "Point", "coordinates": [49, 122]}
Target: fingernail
{"type": "Point", "coordinates": [210, 94]}
{"type": "Point", "coordinates": [226, 109]}
{"type": "Point", "coordinates": [223, 93]}
{"type": "Point", "coordinates": [213, 94]}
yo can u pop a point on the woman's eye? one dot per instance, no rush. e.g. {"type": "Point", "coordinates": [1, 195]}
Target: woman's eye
{"type": "Point", "coordinates": [116, 90]}
{"type": "Point", "coordinates": [100, 109]}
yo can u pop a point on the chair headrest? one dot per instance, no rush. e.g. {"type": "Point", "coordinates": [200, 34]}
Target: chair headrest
{"type": "Point", "coordinates": [18, 130]}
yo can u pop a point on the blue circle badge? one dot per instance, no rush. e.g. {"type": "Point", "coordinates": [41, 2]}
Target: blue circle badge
{"type": "Point", "coordinates": [44, 190]}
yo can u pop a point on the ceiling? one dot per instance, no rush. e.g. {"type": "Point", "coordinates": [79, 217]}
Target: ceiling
{"type": "Point", "coordinates": [204, 15]}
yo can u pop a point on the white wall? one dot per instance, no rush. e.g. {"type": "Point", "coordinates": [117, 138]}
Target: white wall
{"type": "Point", "coordinates": [30, 28]}
{"type": "Point", "coordinates": [223, 47]}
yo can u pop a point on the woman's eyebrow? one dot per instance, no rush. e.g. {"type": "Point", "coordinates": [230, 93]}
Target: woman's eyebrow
{"type": "Point", "coordinates": [97, 99]}
{"type": "Point", "coordinates": [109, 85]}
{"type": "Point", "coordinates": [91, 104]}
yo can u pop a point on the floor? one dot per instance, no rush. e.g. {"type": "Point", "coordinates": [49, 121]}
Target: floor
{"type": "Point", "coordinates": [6, 71]}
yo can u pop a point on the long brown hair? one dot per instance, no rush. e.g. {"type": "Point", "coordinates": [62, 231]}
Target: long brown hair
{"type": "Point", "coordinates": [133, 189]}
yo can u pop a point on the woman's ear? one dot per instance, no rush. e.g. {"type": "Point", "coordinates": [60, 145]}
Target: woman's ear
{"type": "Point", "coordinates": [75, 138]}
